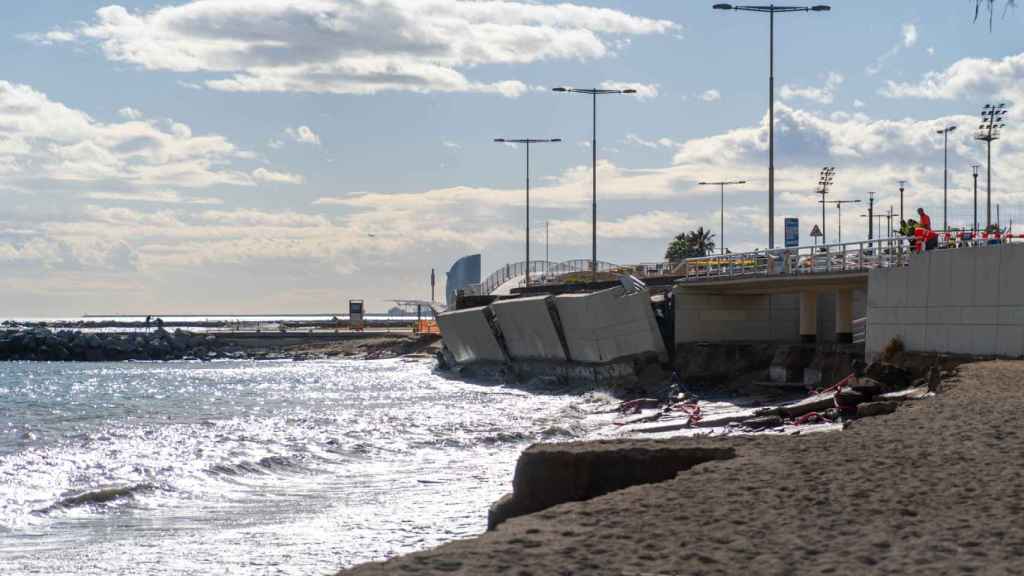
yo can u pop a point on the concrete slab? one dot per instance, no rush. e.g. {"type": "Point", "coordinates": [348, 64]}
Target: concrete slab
{"type": "Point", "coordinates": [528, 329]}
{"type": "Point", "coordinates": [940, 269]}
{"type": "Point", "coordinates": [1011, 275]}
{"type": "Point", "coordinates": [986, 276]}
{"type": "Point", "coordinates": [604, 326]}
{"type": "Point", "coordinates": [469, 336]}
{"type": "Point", "coordinates": [983, 340]}
{"type": "Point", "coordinates": [1010, 341]}
{"type": "Point", "coordinates": [962, 277]}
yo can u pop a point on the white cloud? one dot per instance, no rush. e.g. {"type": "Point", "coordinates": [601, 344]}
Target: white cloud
{"type": "Point", "coordinates": [643, 91]}
{"type": "Point", "coordinates": [451, 145]}
{"type": "Point", "coordinates": [711, 95]}
{"type": "Point", "coordinates": [275, 144]}
{"type": "Point", "coordinates": [360, 46]}
{"type": "Point", "coordinates": [129, 113]}
{"type": "Point", "coordinates": [638, 141]}
{"type": "Point", "coordinates": [45, 143]}
{"type": "Point", "coordinates": [823, 95]}
{"type": "Point", "coordinates": [303, 135]}
{"type": "Point", "coordinates": [858, 104]}
{"type": "Point", "coordinates": [908, 38]}
{"type": "Point", "coordinates": [909, 35]}
{"type": "Point", "coordinates": [153, 196]}
{"type": "Point", "coordinates": [264, 175]}
{"type": "Point", "coordinates": [984, 77]}
{"type": "Point", "coordinates": [56, 36]}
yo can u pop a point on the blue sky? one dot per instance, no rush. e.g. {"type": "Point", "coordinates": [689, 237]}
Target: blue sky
{"type": "Point", "coordinates": [214, 156]}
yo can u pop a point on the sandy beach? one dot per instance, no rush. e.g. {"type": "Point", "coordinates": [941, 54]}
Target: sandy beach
{"type": "Point", "coordinates": [934, 488]}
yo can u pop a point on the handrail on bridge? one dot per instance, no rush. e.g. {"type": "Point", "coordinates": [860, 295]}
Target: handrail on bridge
{"type": "Point", "coordinates": [858, 256]}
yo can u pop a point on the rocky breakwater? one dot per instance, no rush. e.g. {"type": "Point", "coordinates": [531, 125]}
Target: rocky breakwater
{"type": "Point", "coordinates": [43, 344]}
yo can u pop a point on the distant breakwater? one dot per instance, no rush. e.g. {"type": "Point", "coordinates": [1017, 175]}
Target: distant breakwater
{"type": "Point", "coordinates": [43, 344]}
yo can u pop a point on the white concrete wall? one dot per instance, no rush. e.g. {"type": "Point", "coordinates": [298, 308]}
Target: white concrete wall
{"type": "Point", "coordinates": [965, 301]}
{"type": "Point", "coordinates": [735, 317]}
{"type": "Point", "coordinates": [528, 329]}
{"type": "Point", "coordinates": [469, 336]}
{"type": "Point", "coordinates": [608, 325]}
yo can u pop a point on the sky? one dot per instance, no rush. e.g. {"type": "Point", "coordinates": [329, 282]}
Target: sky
{"type": "Point", "coordinates": [285, 156]}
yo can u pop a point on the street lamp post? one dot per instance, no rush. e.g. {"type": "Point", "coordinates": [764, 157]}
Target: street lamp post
{"type": "Point", "coordinates": [594, 92]}
{"type": "Point", "coordinates": [992, 117]}
{"type": "Point", "coordinates": [772, 10]}
{"type": "Point", "coordinates": [975, 168]}
{"type": "Point", "coordinates": [945, 174]}
{"type": "Point", "coordinates": [721, 215]}
{"type": "Point", "coordinates": [527, 142]}
{"type": "Point", "coordinates": [902, 184]}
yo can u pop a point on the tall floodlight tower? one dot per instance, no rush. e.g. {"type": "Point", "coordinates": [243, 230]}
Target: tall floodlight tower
{"type": "Point", "coordinates": [825, 179]}
{"type": "Point", "coordinates": [992, 122]}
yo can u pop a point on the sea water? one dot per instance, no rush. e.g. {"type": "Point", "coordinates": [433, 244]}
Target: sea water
{"type": "Point", "coordinates": [252, 467]}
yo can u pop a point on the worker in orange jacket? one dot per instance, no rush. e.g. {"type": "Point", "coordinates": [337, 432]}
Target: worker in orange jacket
{"type": "Point", "coordinates": [931, 239]}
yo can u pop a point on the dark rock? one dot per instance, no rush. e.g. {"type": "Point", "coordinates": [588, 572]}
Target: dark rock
{"type": "Point", "coordinates": [817, 403]}
{"type": "Point", "coordinates": [876, 409]}
{"type": "Point", "coordinates": [763, 422]}
{"type": "Point", "coordinates": [550, 474]}
{"type": "Point", "coordinates": [858, 366]}
{"type": "Point", "coordinates": [848, 398]}
{"type": "Point", "coordinates": [891, 377]}
{"type": "Point", "coordinates": [868, 387]}
{"type": "Point", "coordinates": [934, 379]}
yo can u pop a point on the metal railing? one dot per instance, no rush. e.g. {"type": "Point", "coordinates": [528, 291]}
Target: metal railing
{"type": "Point", "coordinates": [857, 256]}
{"type": "Point", "coordinates": [541, 272]}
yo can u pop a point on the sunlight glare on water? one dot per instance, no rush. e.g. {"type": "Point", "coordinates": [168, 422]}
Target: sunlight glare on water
{"type": "Point", "coordinates": [252, 467]}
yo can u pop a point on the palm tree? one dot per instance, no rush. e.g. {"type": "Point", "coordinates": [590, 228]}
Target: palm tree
{"type": "Point", "coordinates": [694, 244]}
{"type": "Point", "coordinates": [990, 5]}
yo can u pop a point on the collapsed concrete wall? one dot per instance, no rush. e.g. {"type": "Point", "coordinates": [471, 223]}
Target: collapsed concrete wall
{"type": "Point", "coordinates": [702, 317]}
{"type": "Point", "coordinates": [608, 325]}
{"type": "Point", "coordinates": [470, 336]}
{"type": "Point", "coordinates": [964, 301]}
{"type": "Point", "coordinates": [528, 328]}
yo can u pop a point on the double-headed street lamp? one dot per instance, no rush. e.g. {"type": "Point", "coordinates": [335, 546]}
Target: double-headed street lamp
{"type": "Point", "coordinates": [527, 142]}
{"type": "Point", "coordinates": [945, 173]}
{"type": "Point", "coordinates": [721, 214]}
{"type": "Point", "coordinates": [992, 117]}
{"type": "Point", "coordinates": [594, 92]}
{"type": "Point", "coordinates": [772, 10]}
{"type": "Point", "coordinates": [839, 208]}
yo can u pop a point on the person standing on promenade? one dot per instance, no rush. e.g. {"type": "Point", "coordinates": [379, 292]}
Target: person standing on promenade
{"type": "Point", "coordinates": [931, 239]}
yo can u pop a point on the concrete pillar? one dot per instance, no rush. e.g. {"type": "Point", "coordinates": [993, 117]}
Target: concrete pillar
{"type": "Point", "coordinates": [844, 316]}
{"type": "Point", "coordinates": [808, 316]}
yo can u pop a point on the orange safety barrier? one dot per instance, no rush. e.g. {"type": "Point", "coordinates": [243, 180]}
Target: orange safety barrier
{"type": "Point", "coordinates": [427, 327]}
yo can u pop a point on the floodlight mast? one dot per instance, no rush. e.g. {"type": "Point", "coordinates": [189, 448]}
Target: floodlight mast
{"type": "Point", "coordinates": [771, 10]}
{"type": "Point", "coordinates": [993, 118]}
{"type": "Point", "coordinates": [594, 93]}
{"type": "Point", "coordinates": [527, 142]}
{"type": "Point", "coordinates": [825, 179]}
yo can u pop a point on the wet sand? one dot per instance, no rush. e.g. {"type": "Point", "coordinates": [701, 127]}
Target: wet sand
{"type": "Point", "coordinates": [935, 488]}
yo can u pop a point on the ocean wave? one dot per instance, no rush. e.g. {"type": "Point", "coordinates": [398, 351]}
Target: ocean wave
{"type": "Point", "coordinates": [266, 465]}
{"type": "Point", "coordinates": [97, 496]}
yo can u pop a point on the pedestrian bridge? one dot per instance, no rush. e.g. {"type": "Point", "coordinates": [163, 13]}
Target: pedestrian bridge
{"type": "Point", "coordinates": [767, 292]}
